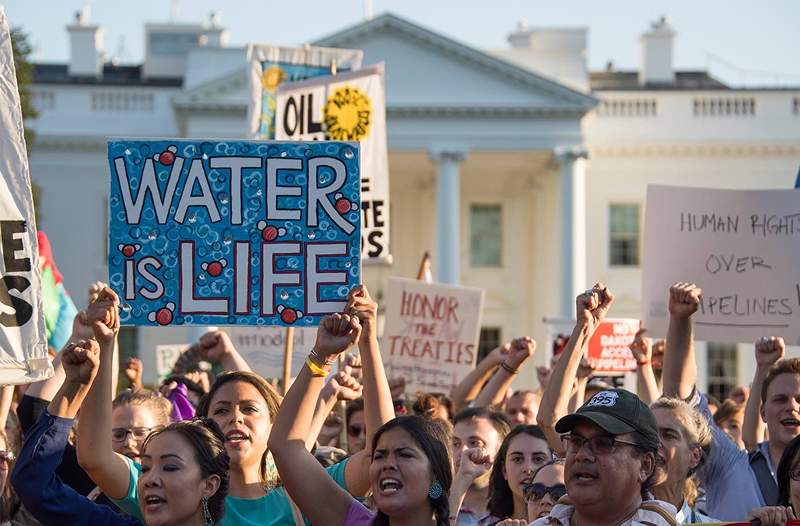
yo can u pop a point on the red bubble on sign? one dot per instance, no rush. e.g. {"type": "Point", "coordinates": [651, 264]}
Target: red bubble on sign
{"type": "Point", "coordinates": [269, 233]}
{"type": "Point", "coordinates": [288, 315]}
{"type": "Point", "coordinates": [128, 250]}
{"type": "Point", "coordinates": [214, 268]}
{"type": "Point", "coordinates": [162, 316]}
{"type": "Point", "coordinates": [166, 158]}
{"type": "Point", "coordinates": [343, 205]}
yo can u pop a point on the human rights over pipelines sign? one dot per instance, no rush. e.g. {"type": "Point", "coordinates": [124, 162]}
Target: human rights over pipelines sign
{"type": "Point", "coordinates": [233, 232]}
{"type": "Point", "coordinates": [431, 333]}
{"type": "Point", "coordinates": [742, 247]}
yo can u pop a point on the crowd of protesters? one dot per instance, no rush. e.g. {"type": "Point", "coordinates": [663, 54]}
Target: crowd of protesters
{"type": "Point", "coordinates": [215, 443]}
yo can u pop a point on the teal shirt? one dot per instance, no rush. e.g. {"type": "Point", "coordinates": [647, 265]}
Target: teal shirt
{"type": "Point", "coordinates": [273, 509]}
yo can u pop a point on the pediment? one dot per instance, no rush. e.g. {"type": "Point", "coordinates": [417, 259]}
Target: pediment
{"type": "Point", "coordinates": [230, 91]}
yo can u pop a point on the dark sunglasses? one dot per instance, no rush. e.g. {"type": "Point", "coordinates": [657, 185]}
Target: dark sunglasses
{"type": "Point", "coordinates": [537, 491]}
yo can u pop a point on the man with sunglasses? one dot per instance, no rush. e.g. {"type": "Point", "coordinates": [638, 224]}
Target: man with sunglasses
{"type": "Point", "coordinates": [611, 444]}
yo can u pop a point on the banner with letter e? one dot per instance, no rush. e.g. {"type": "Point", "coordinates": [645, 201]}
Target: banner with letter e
{"type": "Point", "coordinates": [431, 333]}
{"type": "Point", "coordinates": [23, 341]}
{"type": "Point", "coordinates": [206, 232]}
{"type": "Point", "coordinates": [741, 247]}
{"type": "Point", "coordinates": [270, 66]}
{"type": "Point", "coordinates": [346, 107]}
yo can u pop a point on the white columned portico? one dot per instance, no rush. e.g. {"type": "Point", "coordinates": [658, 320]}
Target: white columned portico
{"type": "Point", "coordinates": [573, 215]}
{"type": "Point", "coordinates": [448, 211]}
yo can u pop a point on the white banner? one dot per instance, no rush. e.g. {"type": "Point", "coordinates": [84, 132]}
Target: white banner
{"type": "Point", "coordinates": [23, 343]}
{"type": "Point", "coordinates": [270, 66]}
{"type": "Point", "coordinates": [166, 356]}
{"type": "Point", "coordinates": [263, 347]}
{"type": "Point", "coordinates": [431, 333]}
{"type": "Point", "coordinates": [346, 107]}
{"type": "Point", "coordinates": [742, 247]}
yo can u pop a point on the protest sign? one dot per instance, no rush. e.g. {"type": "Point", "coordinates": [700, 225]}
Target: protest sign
{"type": "Point", "coordinates": [23, 342]}
{"type": "Point", "coordinates": [166, 356]}
{"type": "Point", "coordinates": [348, 107]}
{"type": "Point", "coordinates": [742, 247]}
{"type": "Point", "coordinates": [431, 333]}
{"type": "Point", "coordinates": [262, 348]}
{"type": "Point", "coordinates": [270, 66]}
{"type": "Point", "coordinates": [233, 232]}
{"type": "Point", "coordinates": [608, 348]}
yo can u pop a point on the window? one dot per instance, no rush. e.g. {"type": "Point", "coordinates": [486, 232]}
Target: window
{"type": "Point", "coordinates": [486, 233]}
{"type": "Point", "coordinates": [488, 341]}
{"type": "Point", "coordinates": [723, 369]}
{"type": "Point", "coordinates": [623, 235]}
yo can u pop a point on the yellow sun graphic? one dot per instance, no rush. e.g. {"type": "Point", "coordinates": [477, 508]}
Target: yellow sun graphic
{"type": "Point", "coordinates": [348, 114]}
{"type": "Point", "coordinates": [271, 78]}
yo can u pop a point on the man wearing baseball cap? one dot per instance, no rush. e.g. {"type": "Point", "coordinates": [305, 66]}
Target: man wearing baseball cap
{"type": "Point", "coordinates": [611, 446]}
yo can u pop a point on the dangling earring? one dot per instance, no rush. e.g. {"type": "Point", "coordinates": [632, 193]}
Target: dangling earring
{"type": "Point", "coordinates": [435, 490]}
{"type": "Point", "coordinates": [206, 513]}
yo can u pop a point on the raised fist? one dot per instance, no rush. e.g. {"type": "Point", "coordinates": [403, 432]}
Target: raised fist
{"type": "Point", "coordinates": [345, 387]}
{"type": "Point", "coordinates": [337, 333]}
{"type": "Point", "coordinates": [520, 350]}
{"type": "Point", "coordinates": [474, 462]}
{"type": "Point", "coordinates": [586, 368]}
{"type": "Point", "coordinates": [498, 355]}
{"type": "Point", "coordinates": [361, 304]}
{"type": "Point", "coordinates": [642, 347]}
{"type": "Point", "coordinates": [132, 369]}
{"type": "Point", "coordinates": [592, 306]}
{"type": "Point", "coordinates": [769, 350]}
{"type": "Point", "coordinates": [684, 300]}
{"type": "Point", "coordinates": [214, 345]}
{"type": "Point", "coordinates": [81, 361]}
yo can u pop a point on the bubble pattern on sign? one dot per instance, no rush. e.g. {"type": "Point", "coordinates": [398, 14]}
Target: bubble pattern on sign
{"type": "Point", "coordinates": [214, 255]}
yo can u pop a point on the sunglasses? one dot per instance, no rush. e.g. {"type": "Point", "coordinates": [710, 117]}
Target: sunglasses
{"type": "Point", "coordinates": [6, 457]}
{"type": "Point", "coordinates": [537, 491]}
{"type": "Point", "coordinates": [354, 430]}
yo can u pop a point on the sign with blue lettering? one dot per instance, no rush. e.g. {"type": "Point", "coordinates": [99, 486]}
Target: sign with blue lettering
{"type": "Point", "coordinates": [208, 232]}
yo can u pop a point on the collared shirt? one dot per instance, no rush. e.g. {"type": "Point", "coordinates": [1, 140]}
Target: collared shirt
{"type": "Point", "coordinates": [689, 515]}
{"type": "Point", "coordinates": [731, 486]}
{"type": "Point", "coordinates": [561, 515]}
{"type": "Point", "coordinates": [467, 517]}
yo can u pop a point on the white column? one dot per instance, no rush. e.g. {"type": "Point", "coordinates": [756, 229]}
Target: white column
{"type": "Point", "coordinates": [448, 211]}
{"type": "Point", "coordinates": [572, 214]}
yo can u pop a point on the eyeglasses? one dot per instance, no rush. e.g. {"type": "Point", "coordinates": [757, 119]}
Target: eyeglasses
{"type": "Point", "coordinates": [120, 434]}
{"type": "Point", "coordinates": [6, 457]}
{"type": "Point", "coordinates": [354, 430]}
{"type": "Point", "coordinates": [598, 445]}
{"type": "Point", "coordinates": [537, 491]}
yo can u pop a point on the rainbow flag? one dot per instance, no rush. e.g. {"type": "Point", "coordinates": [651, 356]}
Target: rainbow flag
{"type": "Point", "coordinates": [59, 310]}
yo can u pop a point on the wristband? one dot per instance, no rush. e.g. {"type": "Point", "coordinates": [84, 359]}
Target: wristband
{"type": "Point", "coordinates": [508, 368]}
{"type": "Point", "coordinates": [642, 363]}
{"type": "Point", "coordinates": [316, 370]}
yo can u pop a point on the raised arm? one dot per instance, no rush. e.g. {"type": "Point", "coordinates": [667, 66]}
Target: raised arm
{"type": "Point", "coordinates": [340, 387]}
{"type": "Point", "coordinates": [585, 371]}
{"type": "Point", "coordinates": [467, 389]}
{"type": "Point", "coordinates": [680, 368]}
{"type": "Point", "coordinates": [315, 493]}
{"type": "Point", "coordinates": [494, 393]}
{"type": "Point", "coordinates": [109, 470]}
{"type": "Point", "coordinates": [592, 307]}
{"type": "Point", "coordinates": [216, 346]}
{"type": "Point", "coordinates": [646, 384]}
{"type": "Point", "coordinates": [768, 352]}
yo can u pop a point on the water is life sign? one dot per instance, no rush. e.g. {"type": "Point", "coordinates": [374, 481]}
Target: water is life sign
{"type": "Point", "coordinates": [206, 232]}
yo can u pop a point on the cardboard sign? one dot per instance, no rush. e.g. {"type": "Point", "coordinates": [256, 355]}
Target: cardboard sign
{"type": "Point", "coordinates": [23, 341]}
{"type": "Point", "coordinates": [347, 107]}
{"type": "Point", "coordinates": [166, 356]}
{"type": "Point", "coordinates": [431, 333]}
{"type": "Point", "coordinates": [742, 247]}
{"type": "Point", "coordinates": [270, 66]}
{"type": "Point", "coordinates": [233, 232]}
{"type": "Point", "coordinates": [263, 347]}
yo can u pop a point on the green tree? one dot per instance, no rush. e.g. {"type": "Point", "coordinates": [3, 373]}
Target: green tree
{"type": "Point", "coordinates": [22, 50]}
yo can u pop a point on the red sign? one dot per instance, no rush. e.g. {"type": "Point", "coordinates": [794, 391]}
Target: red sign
{"type": "Point", "coordinates": [609, 347]}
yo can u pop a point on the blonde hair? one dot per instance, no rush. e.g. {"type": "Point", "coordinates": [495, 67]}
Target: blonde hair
{"type": "Point", "coordinates": [160, 406]}
{"type": "Point", "coordinates": [698, 433]}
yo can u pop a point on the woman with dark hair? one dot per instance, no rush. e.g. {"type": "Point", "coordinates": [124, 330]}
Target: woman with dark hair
{"type": "Point", "coordinates": [186, 466]}
{"type": "Point", "coordinates": [788, 490]}
{"type": "Point", "coordinates": [546, 487]}
{"type": "Point", "coordinates": [410, 472]}
{"type": "Point", "coordinates": [522, 452]}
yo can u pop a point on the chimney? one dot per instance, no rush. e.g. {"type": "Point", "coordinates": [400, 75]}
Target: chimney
{"type": "Point", "coordinates": [86, 46]}
{"type": "Point", "coordinates": [656, 67]}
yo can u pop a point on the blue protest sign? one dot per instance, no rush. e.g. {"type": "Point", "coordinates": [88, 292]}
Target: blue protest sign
{"type": "Point", "coordinates": [233, 232]}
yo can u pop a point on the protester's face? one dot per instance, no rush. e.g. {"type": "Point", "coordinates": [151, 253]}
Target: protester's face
{"type": "Point", "coordinates": [522, 409]}
{"type": "Point", "coordinates": [549, 476]}
{"type": "Point", "coordinates": [472, 433]}
{"type": "Point", "coordinates": [525, 455]}
{"type": "Point", "coordinates": [781, 410]}
{"type": "Point", "coordinates": [171, 485]}
{"type": "Point", "coordinates": [138, 420]}
{"type": "Point", "coordinates": [400, 474]}
{"type": "Point", "coordinates": [605, 484]}
{"type": "Point", "coordinates": [356, 433]}
{"type": "Point", "coordinates": [732, 426]}
{"type": "Point", "coordinates": [243, 416]}
{"type": "Point", "coordinates": [680, 455]}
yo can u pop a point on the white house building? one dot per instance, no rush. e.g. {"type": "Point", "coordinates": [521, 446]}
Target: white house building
{"type": "Point", "coordinates": [520, 170]}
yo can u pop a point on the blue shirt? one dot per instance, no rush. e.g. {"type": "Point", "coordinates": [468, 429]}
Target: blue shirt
{"type": "Point", "coordinates": [45, 496]}
{"type": "Point", "coordinates": [732, 488]}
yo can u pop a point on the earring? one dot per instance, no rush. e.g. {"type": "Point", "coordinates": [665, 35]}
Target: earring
{"type": "Point", "coordinates": [206, 513]}
{"type": "Point", "coordinates": [435, 491]}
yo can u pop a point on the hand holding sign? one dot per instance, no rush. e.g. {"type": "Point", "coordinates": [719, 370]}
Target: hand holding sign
{"type": "Point", "coordinates": [592, 306]}
{"type": "Point", "coordinates": [81, 361]}
{"type": "Point", "coordinates": [769, 351]}
{"type": "Point", "coordinates": [336, 334]}
{"type": "Point", "coordinates": [684, 300]}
